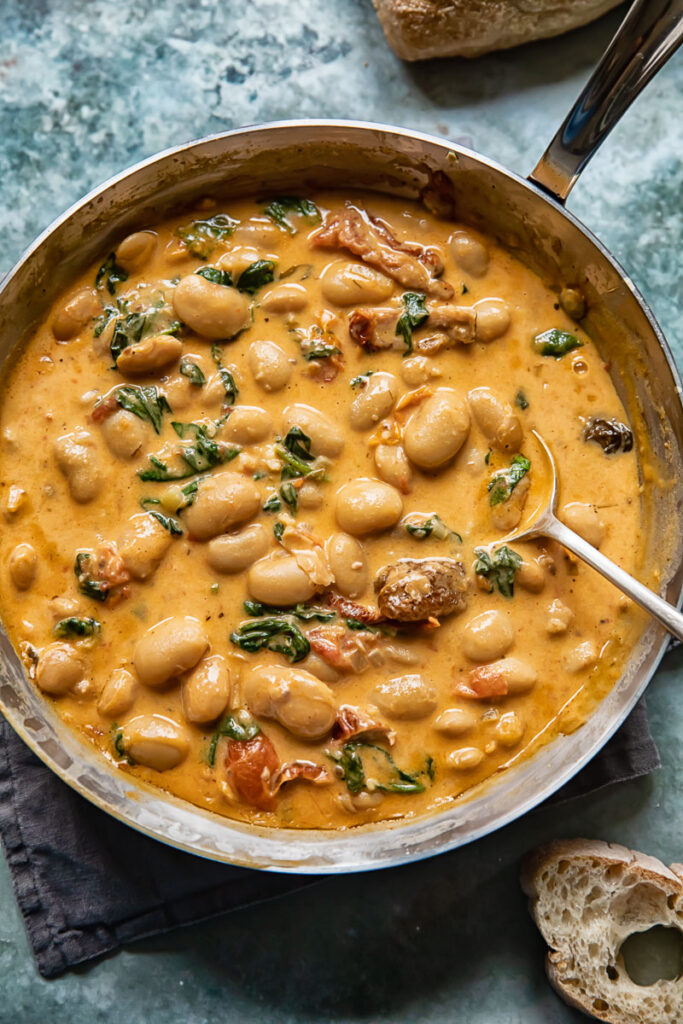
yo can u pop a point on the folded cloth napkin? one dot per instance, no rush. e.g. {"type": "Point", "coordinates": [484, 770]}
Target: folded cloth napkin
{"type": "Point", "coordinates": [86, 884]}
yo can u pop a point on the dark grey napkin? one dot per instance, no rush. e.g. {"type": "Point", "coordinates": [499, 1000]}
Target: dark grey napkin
{"type": "Point", "coordinates": [86, 884]}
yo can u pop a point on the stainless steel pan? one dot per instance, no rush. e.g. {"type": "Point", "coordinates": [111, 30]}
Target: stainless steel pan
{"type": "Point", "coordinates": [529, 217]}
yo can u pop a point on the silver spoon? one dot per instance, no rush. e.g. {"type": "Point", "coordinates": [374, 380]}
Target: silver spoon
{"type": "Point", "coordinates": [546, 524]}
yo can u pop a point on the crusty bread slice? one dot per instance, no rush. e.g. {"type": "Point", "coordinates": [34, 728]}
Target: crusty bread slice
{"type": "Point", "coordinates": [417, 29]}
{"type": "Point", "coordinates": [586, 898]}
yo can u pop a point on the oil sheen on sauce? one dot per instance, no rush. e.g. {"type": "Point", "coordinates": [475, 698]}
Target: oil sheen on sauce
{"type": "Point", "coordinates": [354, 383]}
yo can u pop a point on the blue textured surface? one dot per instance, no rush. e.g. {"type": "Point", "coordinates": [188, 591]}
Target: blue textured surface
{"type": "Point", "coordinates": [88, 87]}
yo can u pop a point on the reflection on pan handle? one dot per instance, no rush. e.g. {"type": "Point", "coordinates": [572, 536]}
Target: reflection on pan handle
{"type": "Point", "coordinates": [648, 36]}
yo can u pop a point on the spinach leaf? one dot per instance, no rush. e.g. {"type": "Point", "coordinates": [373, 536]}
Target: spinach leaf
{"type": "Point", "coordinates": [192, 372]}
{"type": "Point", "coordinates": [277, 209]}
{"type": "Point", "coordinates": [305, 612]}
{"type": "Point", "coordinates": [295, 454]}
{"type": "Point", "coordinates": [499, 570]}
{"type": "Point", "coordinates": [201, 236]}
{"type": "Point", "coordinates": [276, 634]}
{"type": "Point", "coordinates": [215, 275]}
{"type": "Point", "coordinates": [289, 495]}
{"type": "Point", "coordinates": [414, 313]}
{"type": "Point", "coordinates": [503, 482]}
{"type": "Point", "coordinates": [434, 527]}
{"type": "Point", "coordinates": [299, 444]}
{"type": "Point", "coordinates": [88, 583]}
{"type": "Point", "coordinates": [315, 343]}
{"type": "Point", "coordinates": [239, 726]}
{"type": "Point", "coordinates": [131, 328]}
{"type": "Point", "coordinates": [521, 400]}
{"type": "Point", "coordinates": [278, 531]}
{"type": "Point", "coordinates": [359, 761]}
{"type": "Point", "coordinates": [75, 626]}
{"type": "Point", "coordinates": [117, 737]}
{"type": "Point", "coordinates": [203, 454]}
{"type": "Point", "coordinates": [227, 379]}
{"type": "Point", "coordinates": [168, 522]}
{"type": "Point", "coordinates": [100, 322]}
{"type": "Point", "coordinates": [556, 343]}
{"type": "Point", "coordinates": [256, 275]}
{"type": "Point", "coordinates": [110, 274]}
{"type": "Point", "coordinates": [144, 402]}
{"type": "Point", "coordinates": [361, 380]}
{"type": "Point", "coordinates": [273, 504]}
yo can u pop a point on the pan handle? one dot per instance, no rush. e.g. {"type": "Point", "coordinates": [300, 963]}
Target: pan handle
{"type": "Point", "coordinates": [650, 33]}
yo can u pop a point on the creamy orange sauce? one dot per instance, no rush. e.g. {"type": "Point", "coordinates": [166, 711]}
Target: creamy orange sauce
{"type": "Point", "coordinates": [567, 630]}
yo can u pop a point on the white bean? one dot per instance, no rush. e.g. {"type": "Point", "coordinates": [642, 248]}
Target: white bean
{"type": "Point", "coordinates": [509, 729]}
{"type": "Point", "coordinates": [487, 636]}
{"type": "Point", "coordinates": [367, 506]}
{"type": "Point", "coordinates": [59, 669]}
{"type": "Point", "coordinates": [269, 365]}
{"type": "Point", "coordinates": [223, 501]}
{"type": "Point", "coordinates": [493, 319]}
{"type": "Point", "coordinates": [560, 618]}
{"type": "Point", "coordinates": [348, 563]}
{"type": "Point", "coordinates": [124, 434]}
{"type": "Point", "coordinates": [405, 697]}
{"type": "Point", "coordinates": [143, 545]}
{"type": "Point", "coordinates": [326, 437]}
{"type": "Point", "coordinates": [496, 420]}
{"type": "Point", "coordinates": [287, 297]}
{"type": "Point", "coordinates": [118, 694]}
{"type": "Point", "coordinates": [531, 576]}
{"type": "Point", "coordinates": [465, 759]}
{"type": "Point", "coordinates": [76, 457]}
{"type": "Point", "coordinates": [206, 690]}
{"type": "Point", "coordinates": [469, 253]}
{"type": "Point", "coordinates": [155, 741]}
{"type": "Point", "coordinates": [150, 355]}
{"type": "Point", "coordinates": [23, 566]}
{"type": "Point", "coordinates": [455, 721]}
{"type": "Point", "coordinates": [248, 424]}
{"type": "Point", "coordinates": [168, 649]}
{"type": "Point", "coordinates": [78, 310]}
{"type": "Point", "coordinates": [437, 431]}
{"type": "Point", "coordinates": [418, 370]}
{"type": "Point", "coordinates": [354, 284]}
{"type": "Point", "coordinates": [278, 580]}
{"type": "Point", "coordinates": [585, 520]}
{"type": "Point", "coordinates": [374, 401]}
{"type": "Point", "coordinates": [304, 705]}
{"type": "Point", "coordinates": [212, 310]}
{"type": "Point", "coordinates": [581, 657]}
{"type": "Point", "coordinates": [393, 467]}
{"type": "Point", "coordinates": [234, 552]}
{"type": "Point", "coordinates": [136, 250]}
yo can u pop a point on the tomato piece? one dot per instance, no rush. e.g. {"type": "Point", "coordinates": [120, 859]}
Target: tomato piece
{"type": "Point", "coordinates": [482, 683]}
{"type": "Point", "coordinates": [251, 765]}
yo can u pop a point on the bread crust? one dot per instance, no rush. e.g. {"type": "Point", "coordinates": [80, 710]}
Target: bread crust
{"type": "Point", "coordinates": [614, 1001]}
{"type": "Point", "coordinates": [419, 29]}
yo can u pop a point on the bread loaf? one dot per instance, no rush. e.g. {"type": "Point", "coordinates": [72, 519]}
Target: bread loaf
{"type": "Point", "coordinates": [417, 29]}
{"type": "Point", "coordinates": [587, 898]}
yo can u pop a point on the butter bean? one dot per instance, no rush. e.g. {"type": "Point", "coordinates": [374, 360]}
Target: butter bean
{"type": "Point", "coordinates": [496, 420]}
{"type": "Point", "coordinates": [234, 552]}
{"type": "Point", "coordinates": [304, 705]}
{"type": "Point", "coordinates": [143, 545]}
{"type": "Point", "coordinates": [509, 729]}
{"type": "Point", "coordinates": [393, 467]}
{"type": "Point", "coordinates": [212, 310]}
{"type": "Point", "coordinates": [247, 424]}
{"type": "Point", "coordinates": [278, 580]}
{"type": "Point", "coordinates": [348, 563]}
{"type": "Point", "coordinates": [124, 434]}
{"type": "Point", "coordinates": [155, 741]}
{"type": "Point", "coordinates": [287, 297]}
{"type": "Point", "coordinates": [59, 669]}
{"type": "Point", "coordinates": [487, 636]}
{"type": "Point", "coordinates": [168, 649]}
{"type": "Point", "coordinates": [118, 694]}
{"type": "Point", "coordinates": [23, 566]}
{"type": "Point", "coordinates": [465, 759]}
{"type": "Point", "coordinates": [206, 690]}
{"type": "Point", "coordinates": [78, 310]}
{"type": "Point", "coordinates": [455, 721]}
{"type": "Point", "coordinates": [493, 319]}
{"type": "Point", "coordinates": [405, 697]}
{"type": "Point", "coordinates": [223, 501]}
{"type": "Point", "coordinates": [326, 437]}
{"type": "Point", "coordinates": [136, 250]}
{"type": "Point", "coordinates": [585, 520]}
{"type": "Point", "coordinates": [436, 432]}
{"type": "Point", "coordinates": [149, 355]}
{"type": "Point", "coordinates": [374, 401]}
{"type": "Point", "coordinates": [269, 365]}
{"type": "Point", "coordinates": [367, 506]}
{"type": "Point", "coordinates": [76, 457]}
{"type": "Point", "coordinates": [469, 253]}
{"type": "Point", "coordinates": [351, 284]}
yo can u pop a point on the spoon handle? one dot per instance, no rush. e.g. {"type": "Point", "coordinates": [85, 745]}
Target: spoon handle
{"type": "Point", "coordinates": [670, 618]}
